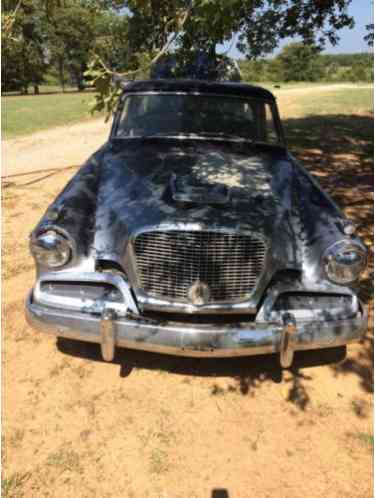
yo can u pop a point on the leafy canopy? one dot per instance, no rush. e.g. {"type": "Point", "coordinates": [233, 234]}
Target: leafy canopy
{"type": "Point", "coordinates": [195, 25]}
{"type": "Point", "coordinates": [260, 24]}
{"type": "Point", "coordinates": [24, 48]}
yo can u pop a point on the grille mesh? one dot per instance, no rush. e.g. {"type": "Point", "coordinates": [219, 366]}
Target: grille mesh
{"type": "Point", "coordinates": [169, 263]}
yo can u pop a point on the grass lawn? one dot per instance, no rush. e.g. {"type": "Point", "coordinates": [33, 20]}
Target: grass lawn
{"type": "Point", "coordinates": [290, 85]}
{"type": "Point", "coordinates": [314, 102]}
{"type": "Point", "coordinates": [43, 89]}
{"type": "Point", "coordinates": [21, 115]}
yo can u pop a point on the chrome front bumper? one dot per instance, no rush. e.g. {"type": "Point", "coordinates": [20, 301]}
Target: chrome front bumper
{"type": "Point", "coordinates": [183, 339]}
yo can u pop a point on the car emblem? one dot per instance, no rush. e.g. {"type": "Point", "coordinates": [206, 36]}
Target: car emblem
{"type": "Point", "coordinates": [199, 293]}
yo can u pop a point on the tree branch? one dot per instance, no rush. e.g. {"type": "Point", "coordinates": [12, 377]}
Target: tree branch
{"type": "Point", "coordinates": [158, 55]}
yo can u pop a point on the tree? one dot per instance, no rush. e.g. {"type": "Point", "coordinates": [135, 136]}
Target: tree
{"type": "Point", "coordinates": [360, 72]}
{"type": "Point", "coordinates": [71, 39]}
{"type": "Point", "coordinates": [39, 33]}
{"type": "Point", "coordinates": [300, 62]}
{"type": "Point", "coordinates": [261, 24]}
{"type": "Point", "coordinates": [24, 46]}
{"type": "Point", "coordinates": [113, 39]}
{"type": "Point", "coordinates": [202, 24]}
{"type": "Point", "coordinates": [262, 70]}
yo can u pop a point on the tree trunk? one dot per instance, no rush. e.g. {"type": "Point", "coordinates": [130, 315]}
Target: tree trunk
{"type": "Point", "coordinates": [36, 90]}
{"type": "Point", "coordinates": [81, 80]}
{"type": "Point", "coordinates": [61, 74]}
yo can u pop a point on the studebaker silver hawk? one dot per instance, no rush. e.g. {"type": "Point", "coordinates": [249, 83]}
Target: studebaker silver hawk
{"type": "Point", "coordinates": [193, 231]}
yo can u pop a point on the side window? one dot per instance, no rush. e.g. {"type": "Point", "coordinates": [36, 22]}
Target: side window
{"type": "Point", "coordinates": [271, 132]}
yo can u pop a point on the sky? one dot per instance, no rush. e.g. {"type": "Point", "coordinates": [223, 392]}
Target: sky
{"type": "Point", "coordinates": [351, 40]}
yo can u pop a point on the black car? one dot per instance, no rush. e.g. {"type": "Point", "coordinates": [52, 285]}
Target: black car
{"type": "Point", "coordinates": [194, 232]}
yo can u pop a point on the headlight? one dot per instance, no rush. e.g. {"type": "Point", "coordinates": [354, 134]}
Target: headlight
{"type": "Point", "coordinates": [344, 261]}
{"type": "Point", "coordinates": [51, 249]}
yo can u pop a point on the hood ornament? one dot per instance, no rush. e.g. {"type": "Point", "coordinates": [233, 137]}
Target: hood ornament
{"type": "Point", "coordinates": [199, 293]}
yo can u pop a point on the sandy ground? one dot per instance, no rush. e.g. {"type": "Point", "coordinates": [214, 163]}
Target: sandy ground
{"type": "Point", "coordinates": [54, 148]}
{"type": "Point", "coordinates": [149, 425]}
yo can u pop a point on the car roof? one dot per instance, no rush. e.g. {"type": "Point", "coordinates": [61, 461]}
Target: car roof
{"type": "Point", "coordinates": [199, 86]}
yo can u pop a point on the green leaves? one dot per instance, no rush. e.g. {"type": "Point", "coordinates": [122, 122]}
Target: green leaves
{"type": "Point", "coordinates": [24, 59]}
{"type": "Point", "coordinates": [300, 62]}
{"type": "Point", "coordinates": [108, 90]}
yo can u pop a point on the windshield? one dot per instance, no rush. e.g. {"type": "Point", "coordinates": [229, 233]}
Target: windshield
{"type": "Point", "coordinates": [197, 115]}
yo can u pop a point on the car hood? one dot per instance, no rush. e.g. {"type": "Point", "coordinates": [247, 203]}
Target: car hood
{"type": "Point", "coordinates": [234, 186]}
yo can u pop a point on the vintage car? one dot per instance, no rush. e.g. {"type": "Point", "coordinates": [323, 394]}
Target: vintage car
{"type": "Point", "coordinates": [193, 231]}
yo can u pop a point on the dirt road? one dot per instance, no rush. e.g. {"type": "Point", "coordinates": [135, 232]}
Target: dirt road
{"type": "Point", "coordinates": [54, 148]}
{"type": "Point", "coordinates": [155, 426]}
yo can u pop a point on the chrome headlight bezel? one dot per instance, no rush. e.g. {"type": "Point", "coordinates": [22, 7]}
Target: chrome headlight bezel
{"type": "Point", "coordinates": [51, 249]}
{"type": "Point", "coordinates": [336, 269]}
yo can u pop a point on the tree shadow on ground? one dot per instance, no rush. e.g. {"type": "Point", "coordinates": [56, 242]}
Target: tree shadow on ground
{"type": "Point", "coordinates": [338, 151]}
{"type": "Point", "coordinates": [248, 372]}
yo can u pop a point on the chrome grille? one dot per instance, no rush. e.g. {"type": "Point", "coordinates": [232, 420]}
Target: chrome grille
{"type": "Point", "coordinates": [169, 262]}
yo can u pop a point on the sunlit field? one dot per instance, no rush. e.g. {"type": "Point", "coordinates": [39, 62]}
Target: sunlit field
{"type": "Point", "coordinates": [24, 114]}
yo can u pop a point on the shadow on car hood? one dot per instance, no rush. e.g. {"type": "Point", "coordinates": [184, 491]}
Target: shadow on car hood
{"type": "Point", "coordinates": [226, 185]}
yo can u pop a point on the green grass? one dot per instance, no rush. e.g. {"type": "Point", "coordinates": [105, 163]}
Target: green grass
{"type": "Point", "coordinates": [158, 463]}
{"type": "Point", "coordinates": [344, 100]}
{"type": "Point", "coordinates": [43, 89]}
{"type": "Point", "coordinates": [21, 115]}
{"type": "Point", "coordinates": [366, 439]}
{"type": "Point", "coordinates": [271, 85]}
{"type": "Point", "coordinates": [65, 459]}
{"type": "Point", "coordinates": [11, 487]}
{"type": "Point", "coordinates": [314, 103]}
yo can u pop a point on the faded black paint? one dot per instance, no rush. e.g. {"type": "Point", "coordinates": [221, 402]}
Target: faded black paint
{"type": "Point", "coordinates": [126, 186]}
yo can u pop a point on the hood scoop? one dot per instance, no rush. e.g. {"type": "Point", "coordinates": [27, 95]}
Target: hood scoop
{"type": "Point", "coordinates": [188, 191]}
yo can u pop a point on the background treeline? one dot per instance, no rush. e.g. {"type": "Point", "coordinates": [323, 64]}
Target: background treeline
{"type": "Point", "coordinates": [298, 62]}
{"type": "Point", "coordinates": [53, 41]}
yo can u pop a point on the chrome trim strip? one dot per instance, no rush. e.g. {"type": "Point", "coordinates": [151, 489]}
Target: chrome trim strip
{"type": "Point", "coordinates": [205, 94]}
